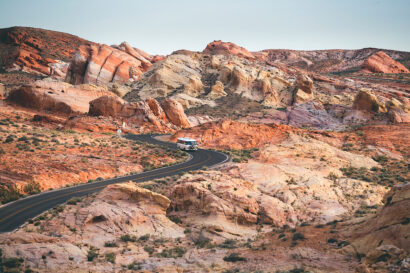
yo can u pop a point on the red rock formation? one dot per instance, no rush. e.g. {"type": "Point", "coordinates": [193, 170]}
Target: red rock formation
{"type": "Point", "coordinates": [219, 47]}
{"type": "Point", "coordinates": [175, 113]}
{"type": "Point", "coordinates": [141, 113]}
{"type": "Point", "coordinates": [156, 108]}
{"type": "Point", "coordinates": [99, 63]}
{"type": "Point", "coordinates": [106, 106]}
{"type": "Point", "coordinates": [228, 134]}
{"type": "Point", "coordinates": [304, 89]}
{"type": "Point", "coordinates": [34, 50]}
{"type": "Point", "coordinates": [365, 100]}
{"type": "Point", "coordinates": [56, 97]}
{"type": "Point", "coordinates": [380, 62]}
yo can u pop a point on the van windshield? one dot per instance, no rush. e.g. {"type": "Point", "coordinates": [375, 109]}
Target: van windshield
{"type": "Point", "coordinates": [192, 143]}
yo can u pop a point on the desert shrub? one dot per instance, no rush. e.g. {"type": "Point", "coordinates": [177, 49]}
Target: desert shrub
{"type": "Point", "coordinates": [9, 193]}
{"type": "Point", "coordinates": [381, 158]}
{"type": "Point", "coordinates": [144, 238]}
{"type": "Point", "coordinates": [74, 201]}
{"type": "Point", "coordinates": [32, 188]}
{"type": "Point", "coordinates": [295, 270]}
{"type": "Point", "coordinates": [332, 240]}
{"type": "Point", "coordinates": [172, 252]}
{"type": "Point", "coordinates": [92, 253]}
{"type": "Point", "coordinates": [347, 146]}
{"type": "Point", "coordinates": [391, 173]}
{"type": "Point", "coordinates": [201, 241]}
{"type": "Point", "coordinates": [229, 243]}
{"type": "Point", "coordinates": [234, 257]}
{"type": "Point", "coordinates": [149, 249]}
{"type": "Point", "coordinates": [128, 238]}
{"type": "Point", "coordinates": [110, 257]}
{"type": "Point", "coordinates": [12, 262]}
{"type": "Point", "coordinates": [134, 266]}
{"type": "Point", "coordinates": [298, 236]}
{"type": "Point", "coordinates": [343, 243]}
{"type": "Point", "coordinates": [175, 219]}
{"type": "Point", "coordinates": [9, 138]}
{"type": "Point", "coordinates": [241, 155]}
{"type": "Point", "coordinates": [332, 176]}
{"type": "Point", "coordinates": [187, 231]}
{"type": "Point", "coordinates": [110, 244]}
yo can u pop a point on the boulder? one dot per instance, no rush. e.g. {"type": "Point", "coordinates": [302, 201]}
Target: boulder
{"type": "Point", "coordinates": [175, 113]}
{"type": "Point", "coordinates": [366, 101]}
{"type": "Point", "coordinates": [304, 89]}
{"type": "Point", "coordinates": [380, 62]}
{"type": "Point", "coordinates": [217, 91]}
{"type": "Point", "coordinates": [106, 106]}
{"type": "Point", "coordinates": [56, 97]}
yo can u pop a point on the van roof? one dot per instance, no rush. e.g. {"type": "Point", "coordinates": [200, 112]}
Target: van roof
{"type": "Point", "coordinates": [186, 139]}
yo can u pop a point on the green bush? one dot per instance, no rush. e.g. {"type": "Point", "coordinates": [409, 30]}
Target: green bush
{"type": "Point", "coordinates": [9, 193]}
{"type": "Point", "coordinates": [32, 188]}
{"type": "Point", "coordinates": [110, 257]}
{"type": "Point", "coordinates": [175, 219]}
{"type": "Point", "coordinates": [229, 243]}
{"type": "Point", "coordinates": [74, 201]}
{"type": "Point", "coordinates": [144, 238]}
{"type": "Point", "coordinates": [234, 257]}
{"type": "Point", "coordinates": [128, 238]}
{"type": "Point", "coordinates": [201, 241]}
{"type": "Point", "coordinates": [148, 249]}
{"type": "Point", "coordinates": [298, 236]}
{"type": "Point", "coordinates": [12, 262]}
{"type": "Point", "coordinates": [92, 253]}
{"type": "Point", "coordinates": [110, 244]}
{"type": "Point", "coordinates": [175, 252]}
{"type": "Point", "coordinates": [332, 240]}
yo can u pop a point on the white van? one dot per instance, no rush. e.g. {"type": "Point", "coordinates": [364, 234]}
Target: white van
{"type": "Point", "coordinates": [187, 144]}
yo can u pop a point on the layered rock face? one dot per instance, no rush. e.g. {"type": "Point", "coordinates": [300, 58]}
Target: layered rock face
{"type": "Point", "coordinates": [197, 79]}
{"type": "Point", "coordinates": [37, 51]}
{"type": "Point", "coordinates": [58, 97]}
{"type": "Point", "coordinates": [170, 116]}
{"type": "Point", "coordinates": [102, 64]}
{"type": "Point", "coordinates": [380, 62]}
{"type": "Point", "coordinates": [383, 238]}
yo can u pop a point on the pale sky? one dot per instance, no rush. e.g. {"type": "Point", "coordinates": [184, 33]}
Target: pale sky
{"type": "Point", "coordinates": [160, 27]}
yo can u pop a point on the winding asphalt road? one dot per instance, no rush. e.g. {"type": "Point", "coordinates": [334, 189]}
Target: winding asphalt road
{"type": "Point", "coordinates": [13, 215]}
